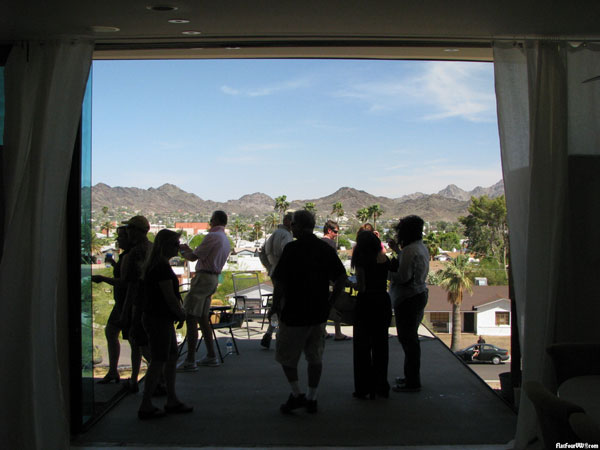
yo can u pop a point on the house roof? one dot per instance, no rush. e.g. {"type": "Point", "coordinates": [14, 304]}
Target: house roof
{"type": "Point", "coordinates": [438, 298]}
{"type": "Point", "coordinates": [194, 225]}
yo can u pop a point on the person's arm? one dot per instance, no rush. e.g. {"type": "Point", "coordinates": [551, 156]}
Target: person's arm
{"type": "Point", "coordinates": [187, 252]}
{"type": "Point", "coordinates": [117, 282]}
{"type": "Point", "coordinates": [405, 268]}
{"type": "Point", "coordinates": [166, 289]}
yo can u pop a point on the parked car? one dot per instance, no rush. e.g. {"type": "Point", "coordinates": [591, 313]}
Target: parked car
{"type": "Point", "coordinates": [483, 353]}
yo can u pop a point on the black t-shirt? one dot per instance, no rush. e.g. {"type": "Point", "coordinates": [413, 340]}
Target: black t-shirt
{"type": "Point", "coordinates": [306, 267]}
{"type": "Point", "coordinates": [155, 303]}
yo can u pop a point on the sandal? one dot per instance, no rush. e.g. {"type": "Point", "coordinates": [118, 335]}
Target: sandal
{"type": "Point", "coordinates": [180, 408]}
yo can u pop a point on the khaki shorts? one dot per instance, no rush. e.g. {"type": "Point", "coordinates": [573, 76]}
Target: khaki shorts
{"type": "Point", "coordinates": [197, 301]}
{"type": "Point", "coordinates": [292, 341]}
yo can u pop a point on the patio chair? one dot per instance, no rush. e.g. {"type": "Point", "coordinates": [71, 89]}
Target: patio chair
{"type": "Point", "coordinates": [221, 319]}
{"type": "Point", "coordinates": [552, 415]}
{"type": "Point", "coordinates": [249, 298]}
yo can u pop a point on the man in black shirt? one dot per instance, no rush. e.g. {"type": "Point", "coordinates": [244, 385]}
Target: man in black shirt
{"type": "Point", "coordinates": [302, 300]}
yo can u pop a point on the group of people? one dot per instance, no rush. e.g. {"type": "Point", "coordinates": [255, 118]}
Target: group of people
{"type": "Point", "coordinates": [148, 304]}
{"type": "Point", "coordinates": [307, 276]}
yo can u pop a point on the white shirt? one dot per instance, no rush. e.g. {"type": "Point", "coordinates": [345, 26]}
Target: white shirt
{"type": "Point", "coordinates": [413, 267]}
{"type": "Point", "coordinates": [212, 253]}
{"type": "Point", "coordinates": [275, 244]}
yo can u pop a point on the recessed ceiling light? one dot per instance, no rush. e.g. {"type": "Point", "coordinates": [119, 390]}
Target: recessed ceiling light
{"type": "Point", "coordinates": [451, 50]}
{"type": "Point", "coordinates": [103, 29]}
{"type": "Point", "coordinates": [191, 33]}
{"type": "Point", "coordinates": [178, 21]}
{"type": "Point", "coordinates": [162, 8]}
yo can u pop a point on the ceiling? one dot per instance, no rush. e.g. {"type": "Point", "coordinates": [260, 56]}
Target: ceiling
{"type": "Point", "coordinates": [409, 29]}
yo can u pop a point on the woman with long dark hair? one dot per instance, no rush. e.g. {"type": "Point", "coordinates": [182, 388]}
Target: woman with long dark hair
{"type": "Point", "coordinates": [372, 318]}
{"type": "Point", "coordinates": [162, 309]}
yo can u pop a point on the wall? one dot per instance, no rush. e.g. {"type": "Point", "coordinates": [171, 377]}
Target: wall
{"type": "Point", "coordinates": [486, 319]}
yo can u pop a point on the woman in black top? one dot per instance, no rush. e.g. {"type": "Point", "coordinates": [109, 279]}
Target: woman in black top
{"type": "Point", "coordinates": [162, 308]}
{"type": "Point", "coordinates": [113, 325]}
{"type": "Point", "coordinates": [372, 317]}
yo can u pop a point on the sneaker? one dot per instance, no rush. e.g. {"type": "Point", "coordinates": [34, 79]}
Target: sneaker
{"type": "Point", "coordinates": [311, 406]}
{"type": "Point", "coordinates": [187, 367]}
{"type": "Point", "coordinates": [266, 341]}
{"type": "Point", "coordinates": [210, 362]}
{"type": "Point", "coordinates": [293, 403]}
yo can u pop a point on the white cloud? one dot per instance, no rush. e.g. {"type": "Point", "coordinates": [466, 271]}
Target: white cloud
{"type": "Point", "coordinates": [262, 91]}
{"type": "Point", "coordinates": [447, 89]}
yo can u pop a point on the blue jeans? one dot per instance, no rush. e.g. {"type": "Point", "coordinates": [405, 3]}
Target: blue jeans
{"type": "Point", "coordinates": [409, 314]}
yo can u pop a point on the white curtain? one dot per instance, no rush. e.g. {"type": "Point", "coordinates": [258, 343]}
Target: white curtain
{"type": "Point", "coordinates": [45, 83]}
{"type": "Point", "coordinates": [549, 127]}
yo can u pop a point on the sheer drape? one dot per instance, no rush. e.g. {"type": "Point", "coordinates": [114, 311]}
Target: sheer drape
{"type": "Point", "coordinates": [549, 133]}
{"type": "Point", "coordinates": [45, 82]}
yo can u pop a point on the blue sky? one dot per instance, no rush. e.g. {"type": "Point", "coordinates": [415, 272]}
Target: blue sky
{"type": "Point", "coordinates": [303, 128]}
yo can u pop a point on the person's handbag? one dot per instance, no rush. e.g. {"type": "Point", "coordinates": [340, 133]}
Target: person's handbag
{"type": "Point", "coordinates": [343, 308]}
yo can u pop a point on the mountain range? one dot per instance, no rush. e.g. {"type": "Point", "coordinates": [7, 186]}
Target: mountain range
{"type": "Point", "coordinates": [448, 204]}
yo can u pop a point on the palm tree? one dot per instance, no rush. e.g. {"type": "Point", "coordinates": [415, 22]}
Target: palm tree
{"type": "Point", "coordinates": [375, 211]}
{"type": "Point", "coordinates": [454, 280]}
{"type": "Point", "coordinates": [310, 207]}
{"type": "Point", "coordinates": [237, 227]}
{"type": "Point", "coordinates": [257, 228]}
{"type": "Point", "coordinates": [95, 245]}
{"type": "Point", "coordinates": [432, 244]}
{"type": "Point", "coordinates": [337, 209]}
{"type": "Point", "coordinates": [363, 215]}
{"type": "Point", "coordinates": [281, 205]}
{"type": "Point", "coordinates": [271, 221]}
{"type": "Point", "coordinates": [107, 226]}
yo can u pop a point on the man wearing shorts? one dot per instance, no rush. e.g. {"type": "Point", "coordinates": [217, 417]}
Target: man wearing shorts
{"type": "Point", "coordinates": [211, 256]}
{"type": "Point", "coordinates": [302, 300]}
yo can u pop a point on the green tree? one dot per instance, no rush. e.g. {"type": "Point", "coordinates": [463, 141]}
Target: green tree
{"type": "Point", "coordinates": [448, 240]}
{"type": "Point", "coordinates": [107, 227]}
{"type": "Point", "coordinates": [433, 246]}
{"type": "Point", "coordinates": [310, 207]}
{"type": "Point", "coordinates": [344, 242]}
{"type": "Point", "coordinates": [492, 269]}
{"type": "Point", "coordinates": [485, 227]}
{"type": "Point", "coordinates": [337, 209]}
{"type": "Point", "coordinates": [375, 211]}
{"type": "Point", "coordinates": [257, 230]}
{"type": "Point", "coordinates": [271, 221]}
{"type": "Point", "coordinates": [95, 245]}
{"type": "Point", "coordinates": [238, 227]}
{"type": "Point", "coordinates": [454, 280]}
{"type": "Point", "coordinates": [281, 206]}
{"type": "Point", "coordinates": [363, 215]}
{"type": "Point", "coordinates": [196, 241]}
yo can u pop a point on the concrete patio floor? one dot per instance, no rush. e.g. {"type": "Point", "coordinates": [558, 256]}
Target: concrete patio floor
{"type": "Point", "coordinates": [237, 405]}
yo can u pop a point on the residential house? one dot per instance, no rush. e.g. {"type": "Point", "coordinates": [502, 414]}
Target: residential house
{"type": "Point", "coordinates": [486, 312]}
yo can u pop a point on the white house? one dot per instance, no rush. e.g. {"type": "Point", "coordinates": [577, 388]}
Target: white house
{"type": "Point", "coordinates": [493, 318]}
{"type": "Point", "coordinates": [486, 312]}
